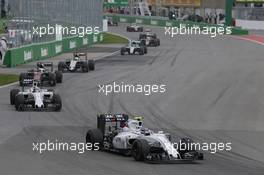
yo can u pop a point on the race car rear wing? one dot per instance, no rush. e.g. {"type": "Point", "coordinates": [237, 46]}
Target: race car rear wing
{"type": "Point", "coordinates": [80, 54]}
{"type": "Point", "coordinates": [115, 120]}
{"type": "Point", "coordinates": [46, 64]}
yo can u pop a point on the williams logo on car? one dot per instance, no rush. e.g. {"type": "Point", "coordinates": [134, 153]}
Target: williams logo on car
{"type": "Point", "coordinates": [27, 55]}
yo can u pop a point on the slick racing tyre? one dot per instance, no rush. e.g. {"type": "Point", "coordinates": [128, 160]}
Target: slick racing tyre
{"type": "Point", "coordinates": [13, 94]}
{"type": "Point", "coordinates": [61, 66]}
{"type": "Point", "coordinates": [57, 102]}
{"type": "Point", "coordinates": [85, 67]}
{"type": "Point", "coordinates": [22, 77]}
{"type": "Point", "coordinates": [20, 103]}
{"type": "Point", "coordinates": [122, 51]}
{"type": "Point", "coordinates": [59, 76]}
{"type": "Point", "coordinates": [95, 136]}
{"type": "Point", "coordinates": [91, 65]}
{"type": "Point", "coordinates": [140, 150]}
{"type": "Point", "coordinates": [52, 79]}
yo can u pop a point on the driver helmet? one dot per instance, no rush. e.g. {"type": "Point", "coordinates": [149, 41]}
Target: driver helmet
{"type": "Point", "coordinates": [135, 124]}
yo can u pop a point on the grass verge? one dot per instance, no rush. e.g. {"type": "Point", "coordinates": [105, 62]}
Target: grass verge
{"type": "Point", "coordinates": [113, 39]}
{"type": "Point", "coordinates": [7, 79]}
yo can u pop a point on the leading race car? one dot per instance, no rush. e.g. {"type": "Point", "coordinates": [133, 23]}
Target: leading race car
{"type": "Point", "coordinates": [35, 98]}
{"type": "Point", "coordinates": [118, 133]}
{"type": "Point", "coordinates": [149, 39]}
{"type": "Point", "coordinates": [134, 28]}
{"type": "Point", "coordinates": [79, 62]}
{"type": "Point", "coordinates": [134, 47]}
{"type": "Point", "coordinates": [43, 74]}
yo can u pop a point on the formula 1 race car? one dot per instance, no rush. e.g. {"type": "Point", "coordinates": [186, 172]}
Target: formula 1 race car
{"type": "Point", "coordinates": [134, 47]}
{"type": "Point", "coordinates": [35, 98]}
{"type": "Point", "coordinates": [77, 63]}
{"type": "Point", "coordinates": [110, 22]}
{"type": "Point", "coordinates": [41, 74]}
{"type": "Point", "coordinates": [117, 133]}
{"type": "Point", "coordinates": [149, 39]}
{"type": "Point", "coordinates": [134, 28]}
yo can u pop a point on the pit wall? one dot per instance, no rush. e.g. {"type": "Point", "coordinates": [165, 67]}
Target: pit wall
{"type": "Point", "coordinates": [156, 21]}
{"type": "Point", "coordinates": [40, 51]}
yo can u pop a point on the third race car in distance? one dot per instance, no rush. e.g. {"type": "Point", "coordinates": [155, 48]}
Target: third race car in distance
{"type": "Point", "coordinates": [134, 28]}
{"type": "Point", "coordinates": [134, 47]}
{"type": "Point", "coordinates": [118, 133]}
{"type": "Point", "coordinates": [149, 39]}
{"type": "Point", "coordinates": [41, 74]}
{"type": "Point", "coordinates": [79, 62]}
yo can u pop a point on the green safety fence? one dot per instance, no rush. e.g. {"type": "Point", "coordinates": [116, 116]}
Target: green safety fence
{"type": "Point", "coordinates": [154, 21]}
{"type": "Point", "coordinates": [40, 51]}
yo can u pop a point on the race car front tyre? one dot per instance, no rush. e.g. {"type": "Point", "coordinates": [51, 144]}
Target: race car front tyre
{"type": "Point", "coordinates": [122, 51]}
{"type": "Point", "coordinates": [57, 102]}
{"type": "Point", "coordinates": [91, 65]}
{"type": "Point", "coordinates": [140, 150]}
{"type": "Point", "coordinates": [145, 50]}
{"type": "Point", "coordinates": [52, 79]}
{"type": "Point", "coordinates": [59, 76]}
{"type": "Point", "coordinates": [13, 94]}
{"type": "Point", "coordinates": [95, 136]}
{"type": "Point", "coordinates": [141, 51]}
{"type": "Point", "coordinates": [85, 67]}
{"type": "Point", "coordinates": [20, 102]}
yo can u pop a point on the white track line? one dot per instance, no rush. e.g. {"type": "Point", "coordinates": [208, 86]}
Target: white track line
{"type": "Point", "coordinates": [247, 39]}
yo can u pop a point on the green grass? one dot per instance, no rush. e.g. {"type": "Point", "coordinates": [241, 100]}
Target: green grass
{"type": "Point", "coordinates": [113, 39]}
{"type": "Point", "coordinates": [2, 26]}
{"type": "Point", "coordinates": [7, 79]}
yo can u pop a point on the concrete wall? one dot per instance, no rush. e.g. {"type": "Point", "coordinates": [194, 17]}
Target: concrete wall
{"type": "Point", "coordinates": [246, 24]}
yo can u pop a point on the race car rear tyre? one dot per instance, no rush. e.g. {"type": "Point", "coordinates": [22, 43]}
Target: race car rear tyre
{"type": "Point", "coordinates": [13, 94]}
{"type": "Point", "coordinates": [91, 65]}
{"type": "Point", "coordinates": [140, 149]}
{"type": "Point", "coordinates": [141, 51]}
{"type": "Point", "coordinates": [95, 136]}
{"type": "Point", "coordinates": [85, 67]}
{"type": "Point", "coordinates": [145, 50]}
{"type": "Point", "coordinates": [61, 66]}
{"type": "Point", "coordinates": [59, 76]}
{"type": "Point", "coordinates": [20, 102]}
{"type": "Point", "coordinates": [52, 79]}
{"type": "Point", "coordinates": [57, 102]}
{"type": "Point", "coordinates": [22, 77]}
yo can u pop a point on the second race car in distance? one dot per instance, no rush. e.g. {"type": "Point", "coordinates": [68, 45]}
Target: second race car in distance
{"type": "Point", "coordinates": [79, 62]}
{"type": "Point", "coordinates": [35, 98]}
{"type": "Point", "coordinates": [118, 133]}
{"type": "Point", "coordinates": [134, 47]}
{"type": "Point", "coordinates": [134, 28]}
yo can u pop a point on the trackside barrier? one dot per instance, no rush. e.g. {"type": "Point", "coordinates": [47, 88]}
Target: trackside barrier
{"type": "Point", "coordinates": [40, 51]}
{"type": "Point", "coordinates": [156, 21]}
